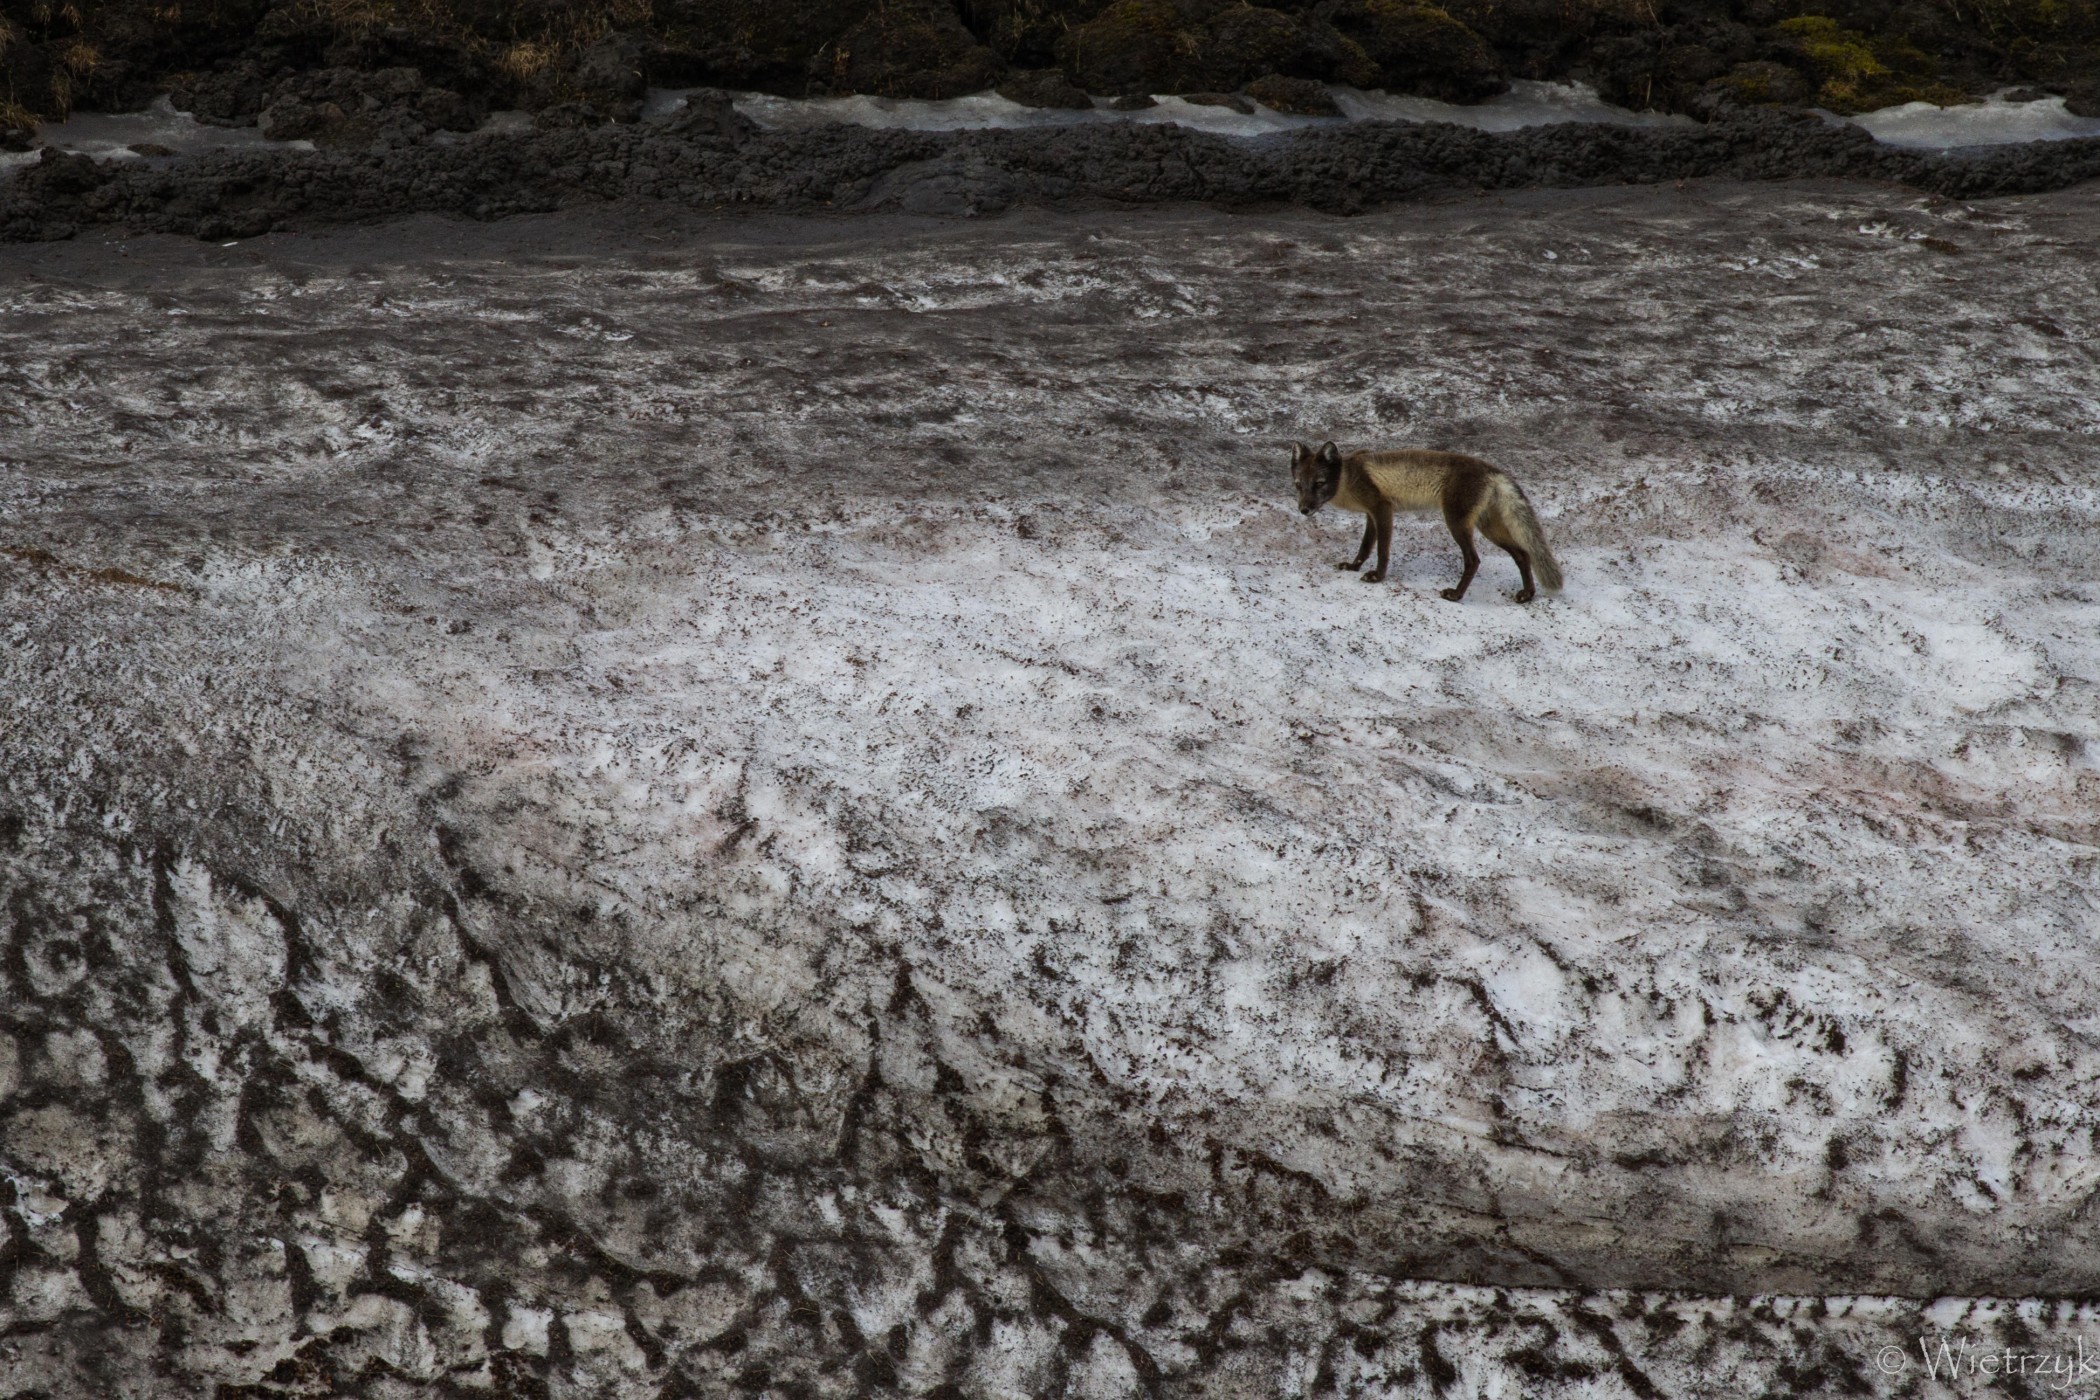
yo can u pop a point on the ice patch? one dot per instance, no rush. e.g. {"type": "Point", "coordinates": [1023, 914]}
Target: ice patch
{"type": "Point", "coordinates": [1998, 120]}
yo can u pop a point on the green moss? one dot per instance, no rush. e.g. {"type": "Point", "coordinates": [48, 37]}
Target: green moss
{"type": "Point", "coordinates": [1858, 73]}
{"type": "Point", "coordinates": [1842, 59]}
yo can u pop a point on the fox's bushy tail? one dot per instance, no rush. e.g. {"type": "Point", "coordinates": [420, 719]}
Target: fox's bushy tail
{"type": "Point", "coordinates": [1525, 526]}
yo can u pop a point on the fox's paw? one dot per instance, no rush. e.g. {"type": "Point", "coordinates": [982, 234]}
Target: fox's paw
{"type": "Point", "coordinates": [1350, 564]}
{"type": "Point", "coordinates": [1375, 576]}
{"type": "Point", "coordinates": [1525, 595]}
{"type": "Point", "coordinates": [1453, 595]}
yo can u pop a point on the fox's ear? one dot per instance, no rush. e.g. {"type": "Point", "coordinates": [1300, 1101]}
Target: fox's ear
{"type": "Point", "coordinates": [1300, 451]}
{"type": "Point", "coordinates": [1330, 454]}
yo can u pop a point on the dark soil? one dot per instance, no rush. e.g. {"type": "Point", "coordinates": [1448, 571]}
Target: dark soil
{"type": "Point", "coordinates": [709, 157]}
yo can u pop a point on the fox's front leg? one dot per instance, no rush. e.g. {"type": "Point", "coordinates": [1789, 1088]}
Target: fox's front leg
{"type": "Point", "coordinates": [1370, 534]}
{"type": "Point", "coordinates": [1380, 525]}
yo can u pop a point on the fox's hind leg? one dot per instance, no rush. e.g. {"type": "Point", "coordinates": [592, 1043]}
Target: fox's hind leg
{"type": "Point", "coordinates": [1370, 534]}
{"type": "Point", "coordinates": [1502, 535]}
{"type": "Point", "coordinates": [1461, 524]}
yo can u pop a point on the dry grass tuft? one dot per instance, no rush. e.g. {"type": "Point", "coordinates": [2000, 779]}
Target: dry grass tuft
{"type": "Point", "coordinates": [524, 61]}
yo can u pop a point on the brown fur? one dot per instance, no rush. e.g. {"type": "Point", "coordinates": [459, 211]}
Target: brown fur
{"type": "Point", "coordinates": [1469, 493]}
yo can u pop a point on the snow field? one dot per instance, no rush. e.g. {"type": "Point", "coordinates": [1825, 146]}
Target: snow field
{"type": "Point", "coordinates": [869, 680]}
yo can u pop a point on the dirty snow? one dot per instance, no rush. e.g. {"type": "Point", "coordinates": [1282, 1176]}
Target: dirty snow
{"type": "Point", "coordinates": [883, 653]}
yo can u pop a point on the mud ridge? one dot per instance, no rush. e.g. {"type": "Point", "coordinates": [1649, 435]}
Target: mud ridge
{"type": "Point", "coordinates": [710, 158]}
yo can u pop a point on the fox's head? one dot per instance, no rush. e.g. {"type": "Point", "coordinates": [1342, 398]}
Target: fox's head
{"type": "Point", "coordinates": [1318, 475]}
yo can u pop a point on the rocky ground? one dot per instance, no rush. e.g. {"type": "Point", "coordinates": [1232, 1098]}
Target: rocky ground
{"type": "Point", "coordinates": [621, 804]}
{"type": "Point", "coordinates": [348, 72]}
{"type": "Point", "coordinates": [708, 157]}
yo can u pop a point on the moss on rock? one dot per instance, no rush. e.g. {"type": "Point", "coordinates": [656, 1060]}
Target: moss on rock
{"type": "Point", "coordinates": [766, 44]}
{"type": "Point", "coordinates": [1299, 96]}
{"type": "Point", "coordinates": [1045, 87]}
{"type": "Point", "coordinates": [1201, 45]}
{"type": "Point", "coordinates": [228, 56]}
{"type": "Point", "coordinates": [1760, 83]}
{"type": "Point", "coordinates": [1421, 49]}
{"type": "Point", "coordinates": [1244, 42]}
{"type": "Point", "coordinates": [1859, 73]}
{"type": "Point", "coordinates": [1132, 46]}
{"type": "Point", "coordinates": [907, 48]}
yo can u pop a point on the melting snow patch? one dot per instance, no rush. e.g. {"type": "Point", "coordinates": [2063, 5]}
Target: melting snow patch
{"type": "Point", "coordinates": [120, 135]}
{"type": "Point", "coordinates": [1525, 104]}
{"type": "Point", "coordinates": [1998, 120]}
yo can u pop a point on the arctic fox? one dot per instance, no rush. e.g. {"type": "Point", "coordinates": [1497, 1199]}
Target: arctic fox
{"type": "Point", "coordinates": [1468, 491]}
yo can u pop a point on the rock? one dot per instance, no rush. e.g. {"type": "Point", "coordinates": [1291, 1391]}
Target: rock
{"type": "Point", "coordinates": [709, 114]}
{"type": "Point", "coordinates": [1164, 46]}
{"type": "Point", "coordinates": [445, 110]}
{"type": "Point", "coordinates": [767, 44]}
{"type": "Point", "coordinates": [1023, 33]}
{"type": "Point", "coordinates": [232, 96]}
{"type": "Point", "coordinates": [1132, 46]}
{"type": "Point", "coordinates": [1690, 64]}
{"type": "Point", "coordinates": [956, 186]}
{"type": "Point", "coordinates": [1045, 87]}
{"type": "Point", "coordinates": [1420, 49]}
{"type": "Point", "coordinates": [152, 149]}
{"type": "Point", "coordinates": [1343, 168]}
{"type": "Point", "coordinates": [569, 116]}
{"type": "Point", "coordinates": [290, 119]}
{"type": "Point", "coordinates": [908, 48]}
{"type": "Point", "coordinates": [610, 71]}
{"type": "Point", "coordinates": [1298, 96]}
{"type": "Point", "coordinates": [1760, 83]}
{"type": "Point", "coordinates": [1852, 75]}
{"type": "Point", "coordinates": [1327, 55]}
{"type": "Point", "coordinates": [225, 61]}
{"type": "Point", "coordinates": [58, 172]}
{"type": "Point", "coordinates": [1621, 67]}
{"type": "Point", "coordinates": [346, 109]}
{"type": "Point", "coordinates": [1243, 42]}
{"type": "Point", "coordinates": [1133, 102]}
{"type": "Point", "coordinates": [1229, 100]}
{"type": "Point", "coordinates": [441, 58]}
{"type": "Point", "coordinates": [17, 133]}
{"type": "Point", "coordinates": [2083, 99]}
{"type": "Point", "coordinates": [390, 83]}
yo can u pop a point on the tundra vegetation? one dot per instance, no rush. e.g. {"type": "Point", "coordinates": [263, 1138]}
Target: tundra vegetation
{"type": "Point", "coordinates": [351, 71]}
